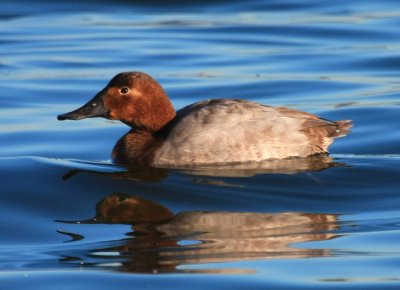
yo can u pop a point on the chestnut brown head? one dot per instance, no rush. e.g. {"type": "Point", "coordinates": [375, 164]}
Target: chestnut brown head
{"type": "Point", "coordinates": [134, 98]}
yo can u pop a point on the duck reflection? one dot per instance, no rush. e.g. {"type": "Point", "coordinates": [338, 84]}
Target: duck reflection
{"type": "Point", "coordinates": [162, 241]}
{"type": "Point", "coordinates": [273, 166]}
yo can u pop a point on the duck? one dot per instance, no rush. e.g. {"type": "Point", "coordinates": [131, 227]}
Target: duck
{"type": "Point", "coordinates": [208, 132]}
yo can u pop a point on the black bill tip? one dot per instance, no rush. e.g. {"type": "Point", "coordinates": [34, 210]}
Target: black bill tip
{"type": "Point", "coordinates": [61, 118]}
{"type": "Point", "coordinates": [67, 116]}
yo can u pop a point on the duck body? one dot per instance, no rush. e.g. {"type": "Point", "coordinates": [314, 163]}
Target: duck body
{"type": "Point", "coordinates": [236, 131]}
{"type": "Point", "coordinates": [217, 131]}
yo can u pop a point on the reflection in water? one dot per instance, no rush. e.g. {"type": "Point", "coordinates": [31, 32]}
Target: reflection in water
{"type": "Point", "coordinates": [282, 166]}
{"type": "Point", "coordinates": [165, 242]}
{"type": "Point", "coordinates": [147, 173]}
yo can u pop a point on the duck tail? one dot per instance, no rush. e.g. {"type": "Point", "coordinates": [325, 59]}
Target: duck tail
{"type": "Point", "coordinates": [343, 128]}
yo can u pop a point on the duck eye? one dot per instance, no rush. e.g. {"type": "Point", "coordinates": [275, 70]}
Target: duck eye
{"type": "Point", "coordinates": [124, 90]}
{"type": "Point", "coordinates": [122, 199]}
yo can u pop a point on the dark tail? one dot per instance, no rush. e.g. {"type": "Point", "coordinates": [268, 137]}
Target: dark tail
{"type": "Point", "coordinates": [342, 128]}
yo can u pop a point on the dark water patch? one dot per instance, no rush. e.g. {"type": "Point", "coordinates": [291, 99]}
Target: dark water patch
{"type": "Point", "coordinates": [328, 190]}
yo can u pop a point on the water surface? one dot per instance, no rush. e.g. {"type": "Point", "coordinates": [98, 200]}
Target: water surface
{"type": "Point", "coordinates": [331, 223]}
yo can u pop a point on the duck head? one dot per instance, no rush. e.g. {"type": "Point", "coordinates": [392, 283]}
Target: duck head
{"type": "Point", "coordinates": [133, 98]}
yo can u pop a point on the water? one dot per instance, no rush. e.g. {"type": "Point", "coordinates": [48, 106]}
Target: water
{"type": "Point", "coordinates": [329, 225]}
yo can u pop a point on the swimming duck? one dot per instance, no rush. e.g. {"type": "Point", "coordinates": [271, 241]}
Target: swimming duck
{"type": "Point", "coordinates": [216, 131]}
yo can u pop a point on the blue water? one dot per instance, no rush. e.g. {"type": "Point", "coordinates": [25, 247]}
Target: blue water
{"type": "Point", "coordinates": [333, 224]}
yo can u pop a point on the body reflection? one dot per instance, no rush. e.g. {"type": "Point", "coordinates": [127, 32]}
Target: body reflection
{"type": "Point", "coordinates": [273, 166]}
{"type": "Point", "coordinates": [164, 242]}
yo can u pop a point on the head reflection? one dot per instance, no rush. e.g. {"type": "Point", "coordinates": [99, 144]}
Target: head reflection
{"type": "Point", "coordinates": [162, 241]}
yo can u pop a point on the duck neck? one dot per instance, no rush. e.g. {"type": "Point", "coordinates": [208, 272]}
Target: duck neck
{"type": "Point", "coordinates": [152, 120]}
{"type": "Point", "coordinates": [163, 114]}
{"type": "Point", "coordinates": [137, 146]}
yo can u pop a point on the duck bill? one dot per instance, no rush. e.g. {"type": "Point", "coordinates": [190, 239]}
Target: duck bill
{"type": "Point", "coordinates": [95, 220]}
{"type": "Point", "coordinates": [93, 108]}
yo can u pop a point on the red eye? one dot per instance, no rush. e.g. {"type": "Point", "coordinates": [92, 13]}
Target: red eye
{"type": "Point", "coordinates": [124, 90]}
{"type": "Point", "coordinates": [122, 199]}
